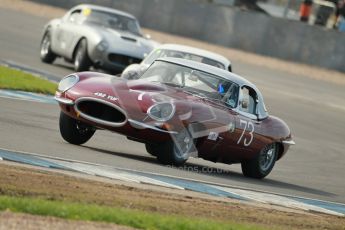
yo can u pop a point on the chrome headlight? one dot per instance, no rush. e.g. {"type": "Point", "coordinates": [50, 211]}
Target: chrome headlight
{"type": "Point", "coordinates": [102, 46]}
{"type": "Point", "coordinates": [161, 111]}
{"type": "Point", "coordinates": [68, 82]}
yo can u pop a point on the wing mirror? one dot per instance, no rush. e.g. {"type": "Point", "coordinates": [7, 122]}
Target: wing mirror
{"type": "Point", "coordinates": [131, 75]}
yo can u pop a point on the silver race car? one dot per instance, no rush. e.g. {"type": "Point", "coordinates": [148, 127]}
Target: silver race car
{"type": "Point", "coordinates": [89, 35]}
{"type": "Point", "coordinates": [177, 51]}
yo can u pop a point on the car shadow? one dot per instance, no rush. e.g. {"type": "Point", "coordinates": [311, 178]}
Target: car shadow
{"type": "Point", "coordinates": [65, 66]}
{"type": "Point", "coordinates": [69, 66]}
{"type": "Point", "coordinates": [219, 173]}
{"type": "Point", "coordinates": [148, 159]}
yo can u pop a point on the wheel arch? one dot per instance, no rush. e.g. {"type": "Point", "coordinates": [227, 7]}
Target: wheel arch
{"type": "Point", "coordinates": [76, 46]}
{"type": "Point", "coordinates": [281, 150]}
{"type": "Point", "coordinates": [46, 29]}
{"type": "Point", "coordinates": [50, 26]}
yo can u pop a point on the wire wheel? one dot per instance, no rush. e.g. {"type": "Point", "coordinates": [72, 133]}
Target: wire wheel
{"type": "Point", "coordinates": [46, 53]}
{"type": "Point", "coordinates": [183, 144]}
{"type": "Point", "coordinates": [178, 150]}
{"type": "Point", "coordinates": [260, 166]}
{"type": "Point", "coordinates": [267, 157]}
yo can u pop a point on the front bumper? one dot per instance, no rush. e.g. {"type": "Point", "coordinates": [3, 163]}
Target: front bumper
{"type": "Point", "coordinates": [288, 142]}
{"type": "Point", "coordinates": [64, 101]}
{"type": "Point", "coordinates": [286, 145]}
{"type": "Point", "coordinates": [116, 60]}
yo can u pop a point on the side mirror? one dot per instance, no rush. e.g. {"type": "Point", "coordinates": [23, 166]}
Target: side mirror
{"type": "Point", "coordinates": [130, 75]}
{"type": "Point", "coordinates": [147, 36]}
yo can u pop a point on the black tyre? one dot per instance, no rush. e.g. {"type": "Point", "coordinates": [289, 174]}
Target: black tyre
{"type": "Point", "coordinates": [46, 53]}
{"type": "Point", "coordinates": [73, 131]}
{"type": "Point", "coordinates": [177, 151]}
{"type": "Point", "coordinates": [262, 164]}
{"type": "Point", "coordinates": [82, 61]}
{"type": "Point", "coordinates": [152, 149]}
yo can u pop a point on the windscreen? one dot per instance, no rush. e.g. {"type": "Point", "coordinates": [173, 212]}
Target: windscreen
{"type": "Point", "coordinates": [114, 21]}
{"type": "Point", "coordinates": [193, 81]}
{"type": "Point", "coordinates": [160, 53]}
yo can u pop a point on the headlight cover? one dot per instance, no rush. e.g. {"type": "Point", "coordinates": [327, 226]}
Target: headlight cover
{"type": "Point", "coordinates": [161, 111]}
{"type": "Point", "coordinates": [68, 82]}
{"type": "Point", "coordinates": [102, 46]}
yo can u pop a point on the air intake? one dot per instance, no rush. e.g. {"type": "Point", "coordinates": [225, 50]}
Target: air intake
{"type": "Point", "coordinates": [100, 111]}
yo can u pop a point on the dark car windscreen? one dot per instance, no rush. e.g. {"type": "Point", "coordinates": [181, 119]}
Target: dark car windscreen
{"type": "Point", "coordinates": [160, 53]}
{"type": "Point", "coordinates": [113, 21]}
{"type": "Point", "coordinates": [194, 81]}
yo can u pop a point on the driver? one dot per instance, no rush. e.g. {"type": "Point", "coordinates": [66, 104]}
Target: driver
{"type": "Point", "coordinates": [231, 96]}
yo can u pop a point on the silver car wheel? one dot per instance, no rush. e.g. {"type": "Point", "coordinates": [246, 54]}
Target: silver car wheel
{"type": "Point", "coordinates": [267, 157]}
{"type": "Point", "coordinates": [45, 46]}
{"type": "Point", "coordinates": [183, 143]}
{"type": "Point", "coordinates": [46, 53]}
{"type": "Point", "coordinates": [78, 58]}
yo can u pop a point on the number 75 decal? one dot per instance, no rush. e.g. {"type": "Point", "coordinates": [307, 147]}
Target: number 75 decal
{"type": "Point", "coordinates": [248, 126]}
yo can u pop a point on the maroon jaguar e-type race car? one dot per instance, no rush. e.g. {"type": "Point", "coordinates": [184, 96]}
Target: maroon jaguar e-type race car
{"type": "Point", "coordinates": [178, 108]}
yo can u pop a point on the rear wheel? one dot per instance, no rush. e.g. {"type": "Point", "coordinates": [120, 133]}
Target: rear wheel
{"type": "Point", "coordinates": [74, 131]}
{"type": "Point", "coordinates": [177, 151]}
{"type": "Point", "coordinates": [82, 61]}
{"type": "Point", "coordinates": [46, 52]}
{"type": "Point", "coordinates": [262, 164]}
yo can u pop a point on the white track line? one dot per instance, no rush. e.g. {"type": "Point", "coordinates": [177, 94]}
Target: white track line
{"type": "Point", "coordinates": [113, 174]}
{"type": "Point", "coordinates": [175, 177]}
{"type": "Point", "coordinates": [278, 200]}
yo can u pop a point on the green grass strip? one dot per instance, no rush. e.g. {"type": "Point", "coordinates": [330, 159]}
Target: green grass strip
{"type": "Point", "coordinates": [121, 216]}
{"type": "Point", "coordinates": [18, 80]}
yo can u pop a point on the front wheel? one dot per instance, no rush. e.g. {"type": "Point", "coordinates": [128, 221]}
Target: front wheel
{"type": "Point", "coordinates": [262, 164]}
{"type": "Point", "coordinates": [46, 52]}
{"type": "Point", "coordinates": [152, 149]}
{"type": "Point", "coordinates": [177, 151]}
{"type": "Point", "coordinates": [82, 61]}
{"type": "Point", "coordinates": [74, 131]}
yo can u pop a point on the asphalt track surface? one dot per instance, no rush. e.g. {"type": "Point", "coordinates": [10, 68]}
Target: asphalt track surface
{"type": "Point", "coordinates": [314, 110]}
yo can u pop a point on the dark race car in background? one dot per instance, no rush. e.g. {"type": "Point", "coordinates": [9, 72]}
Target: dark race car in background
{"type": "Point", "coordinates": [178, 51]}
{"type": "Point", "coordinates": [89, 35]}
{"type": "Point", "coordinates": [178, 108]}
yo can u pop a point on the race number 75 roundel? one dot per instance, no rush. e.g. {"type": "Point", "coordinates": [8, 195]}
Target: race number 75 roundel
{"type": "Point", "coordinates": [248, 126]}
